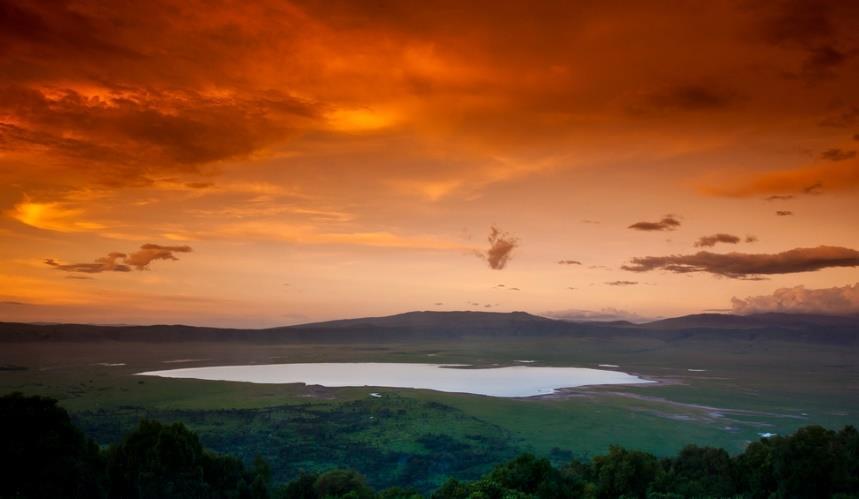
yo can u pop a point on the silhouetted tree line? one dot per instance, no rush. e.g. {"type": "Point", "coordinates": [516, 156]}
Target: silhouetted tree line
{"type": "Point", "coordinates": [45, 456]}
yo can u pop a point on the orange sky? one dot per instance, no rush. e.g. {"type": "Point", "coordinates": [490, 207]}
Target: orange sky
{"type": "Point", "coordinates": [266, 163]}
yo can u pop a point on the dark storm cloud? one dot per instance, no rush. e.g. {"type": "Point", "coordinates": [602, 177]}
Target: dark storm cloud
{"type": "Point", "coordinates": [837, 154]}
{"type": "Point", "coordinates": [822, 61]}
{"type": "Point", "coordinates": [122, 262]}
{"type": "Point", "coordinates": [750, 266]}
{"type": "Point", "coordinates": [799, 22]}
{"type": "Point", "coordinates": [149, 129]}
{"type": "Point", "coordinates": [808, 26]}
{"type": "Point", "coordinates": [669, 222]}
{"type": "Point", "coordinates": [710, 241]}
{"type": "Point", "coordinates": [501, 246]}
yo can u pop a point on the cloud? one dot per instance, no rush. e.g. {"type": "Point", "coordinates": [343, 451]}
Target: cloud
{"type": "Point", "coordinates": [784, 213]}
{"type": "Point", "coordinates": [836, 154]}
{"type": "Point", "coordinates": [709, 241]}
{"type": "Point", "coordinates": [123, 136]}
{"type": "Point", "coordinates": [501, 246]}
{"type": "Point", "coordinates": [843, 118]}
{"type": "Point", "coordinates": [569, 262]}
{"type": "Point", "coordinates": [751, 239]}
{"type": "Point", "coordinates": [109, 263]}
{"type": "Point", "coordinates": [777, 197]}
{"type": "Point", "coordinates": [837, 301]}
{"type": "Point", "coordinates": [798, 22]}
{"type": "Point", "coordinates": [53, 216]}
{"type": "Point", "coordinates": [750, 266]}
{"type": "Point", "coordinates": [826, 176]}
{"type": "Point", "coordinates": [669, 222]}
{"type": "Point", "coordinates": [602, 315]}
{"type": "Point", "coordinates": [622, 283]}
{"type": "Point", "coordinates": [147, 253]}
{"type": "Point", "coordinates": [122, 262]}
{"type": "Point", "coordinates": [807, 26]}
{"type": "Point", "coordinates": [822, 61]}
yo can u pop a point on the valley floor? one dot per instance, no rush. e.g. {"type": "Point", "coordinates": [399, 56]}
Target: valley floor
{"type": "Point", "coordinates": [723, 395]}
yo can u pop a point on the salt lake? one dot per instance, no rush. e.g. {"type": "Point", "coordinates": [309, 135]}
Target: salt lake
{"type": "Point", "coordinates": [513, 381]}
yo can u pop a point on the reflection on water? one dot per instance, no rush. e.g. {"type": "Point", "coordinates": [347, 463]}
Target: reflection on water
{"type": "Point", "coordinates": [516, 381]}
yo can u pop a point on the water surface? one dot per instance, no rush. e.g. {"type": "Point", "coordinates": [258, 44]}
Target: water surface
{"type": "Point", "coordinates": [514, 381]}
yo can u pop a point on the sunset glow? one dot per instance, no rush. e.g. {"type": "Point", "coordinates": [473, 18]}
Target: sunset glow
{"type": "Point", "coordinates": [273, 163]}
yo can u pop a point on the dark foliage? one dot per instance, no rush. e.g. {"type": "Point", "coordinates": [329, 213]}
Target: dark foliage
{"type": "Point", "coordinates": [305, 437]}
{"type": "Point", "coordinates": [45, 456]}
{"type": "Point", "coordinates": [158, 460]}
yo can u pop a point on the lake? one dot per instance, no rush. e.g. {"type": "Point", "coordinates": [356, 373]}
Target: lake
{"type": "Point", "coordinates": [514, 381]}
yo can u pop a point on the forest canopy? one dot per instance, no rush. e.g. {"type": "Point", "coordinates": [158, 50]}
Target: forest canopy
{"type": "Point", "coordinates": [45, 455]}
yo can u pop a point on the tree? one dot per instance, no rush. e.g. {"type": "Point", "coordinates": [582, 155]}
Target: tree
{"type": "Point", "coordinates": [803, 463]}
{"type": "Point", "coordinates": [342, 483]}
{"type": "Point", "coordinates": [755, 470]}
{"type": "Point", "coordinates": [533, 476]}
{"type": "Point", "coordinates": [43, 454]}
{"type": "Point", "coordinates": [166, 461]}
{"type": "Point", "coordinates": [700, 472]}
{"type": "Point", "coordinates": [302, 487]}
{"type": "Point", "coordinates": [625, 473]}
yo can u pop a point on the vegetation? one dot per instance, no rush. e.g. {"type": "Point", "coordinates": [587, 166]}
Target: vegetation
{"type": "Point", "coordinates": [45, 455]}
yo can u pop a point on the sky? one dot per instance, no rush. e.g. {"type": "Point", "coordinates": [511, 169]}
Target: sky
{"type": "Point", "coordinates": [254, 164]}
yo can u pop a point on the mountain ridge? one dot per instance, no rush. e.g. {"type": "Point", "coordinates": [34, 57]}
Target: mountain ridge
{"type": "Point", "coordinates": [455, 325]}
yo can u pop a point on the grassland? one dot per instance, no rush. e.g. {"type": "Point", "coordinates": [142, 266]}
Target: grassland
{"type": "Point", "coordinates": [739, 389]}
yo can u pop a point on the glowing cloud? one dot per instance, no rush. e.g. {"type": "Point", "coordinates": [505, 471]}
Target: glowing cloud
{"type": "Point", "coordinates": [799, 299]}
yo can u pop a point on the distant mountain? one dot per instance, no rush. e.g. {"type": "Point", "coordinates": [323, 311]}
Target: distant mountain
{"type": "Point", "coordinates": [446, 326]}
{"type": "Point", "coordinates": [755, 321]}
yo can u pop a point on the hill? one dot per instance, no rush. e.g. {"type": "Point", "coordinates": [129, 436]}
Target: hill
{"type": "Point", "coordinates": [436, 326]}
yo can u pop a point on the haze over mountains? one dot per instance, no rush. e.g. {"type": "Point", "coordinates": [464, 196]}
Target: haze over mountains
{"type": "Point", "coordinates": [433, 326]}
